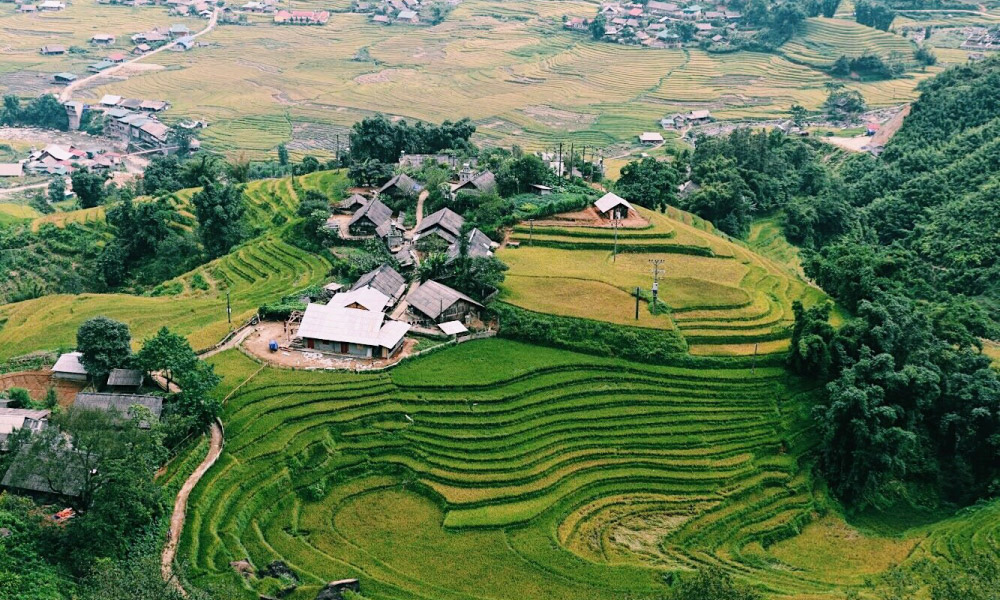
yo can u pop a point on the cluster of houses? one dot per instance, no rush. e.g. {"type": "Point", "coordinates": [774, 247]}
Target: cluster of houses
{"type": "Point", "coordinates": [390, 11]}
{"type": "Point", "coordinates": [46, 6]}
{"type": "Point", "coordinates": [183, 8]}
{"type": "Point", "coordinates": [124, 389]}
{"type": "Point", "coordinates": [63, 160]}
{"type": "Point", "coordinates": [663, 24]}
{"type": "Point", "coordinates": [356, 323]}
{"type": "Point", "coordinates": [981, 38]}
{"type": "Point", "coordinates": [682, 120]}
{"type": "Point", "coordinates": [301, 17]}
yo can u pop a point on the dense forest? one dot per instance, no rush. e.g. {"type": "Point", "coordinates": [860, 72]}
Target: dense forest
{"type": "Point", "coordinates": [907, 244]}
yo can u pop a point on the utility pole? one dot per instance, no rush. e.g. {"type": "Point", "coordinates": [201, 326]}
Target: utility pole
{"type": "Point", "coordinates": [636, 303]}
{"type": "Point", "coordinates": [753, 363]}
{"type": "Point", "coordinates": [656, 276]}
{"type": "Point", "coordinates": [338, 150]}
{"type": "Point", "coordinates": [615, 255]}
{"type": "Point", "coordinates": [531, 232]}
{"type": "Point", "coordinates": [572, 161]}
{"type": "Point", "coordinates": [560, 160]}
{"type": "Point", "coordinates": [229, 309]}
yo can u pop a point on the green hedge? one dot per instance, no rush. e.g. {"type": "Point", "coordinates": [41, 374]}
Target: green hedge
{"type": "Point", "coordinates": [632, 248]}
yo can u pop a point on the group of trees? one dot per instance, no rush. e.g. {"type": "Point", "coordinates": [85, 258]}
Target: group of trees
{"type": "Point", "coordinates": [869, 66]}
{"type": "Point", "coordinates": [44, 111]}
{"type": "Point", "coordinates": [874, 14]}
{"type": "Point", "coordinates": [378, 138]}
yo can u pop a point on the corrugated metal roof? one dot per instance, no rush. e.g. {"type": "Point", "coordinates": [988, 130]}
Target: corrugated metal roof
{"type": "Point", "coordinates": [125, 377]}
{"type": "Point", "coordinates": [445, 218]}
{"type": "Point", "coordinates": [350, 325]}
{"type": "Point", "coordinates": [118, 402]}
{"type": "Point", "coordinates": [609, 201]}
{"type": "Point", "coordinates": [433, 298]}
{"type": "Point", "coordinates": [375, 211]}
{"type": "Point", "coordinates": [70, 363]}
{"type": "Point", "coordinates": [369, 298]}
{"type": "Point", "coordinates": [384, 279]}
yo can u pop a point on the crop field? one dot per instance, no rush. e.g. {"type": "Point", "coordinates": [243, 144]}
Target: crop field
{"type": "Point", "coordinates": [495, 470]}
{"type": "Point", "coordinates": [605, 472]}
{"type": "Point", "coordinates": [509, 66]}
{"type": "Point", "coordinates": [723, 298]}
{"type": "Point", "coordinates": [194, 304]}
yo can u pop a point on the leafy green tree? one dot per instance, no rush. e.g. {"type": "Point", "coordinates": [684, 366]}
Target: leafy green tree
{"type": "Point", "coordinates": [162, 176]}
{"type": "Point", "coordinates": [10, 114]}
{"type": "Point", "coordinates": [843, 105]}
{"type": "Point", "coordinates": [369, 172]}
{"type": "Point", "coordinates": [25, 572]}
{"type": "Point", "coordinates": [220, 209]}
{"type": "Point", "coordinates": [712, 583]}
{"type": "Point", "coordinates": [198, 171]}
{"type": "Point", "coordinates": [649, 182]}
{"type": "Point", "coordinates": [282, 154]}
{"type": "Point", "coordinates": [798, 114]}
{"type": "Point", "coordinates": [874, 14]}
{"type": "Point", "coordinates": [47, 112]}
{"type": "Point", "coordinates": [809, 352]}
{"type": "Point", "coordinates": [105, 344]}
{"type": "Point", "coordinates": [195, 400]}
{"type": "Point", "coordinates": [598, 26]}
{"type": "Point", "coordinates": [829, 7]}
{"type": "Point", "coordinates": [315, 209]}
{"type": "Point", "coordinates": [88, 187]}
{"type": "Point", "coordinates": [19, 397]}
{"type": "Point", "coordinates": [57, 189]}
{"type": "Point", "coordinates": [167, 352]}
{"type": "Point", "coordinates": [40, 203]}
{"type": "Point", "coordinates": [516, 174]}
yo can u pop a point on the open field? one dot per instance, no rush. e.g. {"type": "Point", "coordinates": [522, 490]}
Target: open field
{"type": "Point", "coordinates": [262, 270]}
{"type": "Point", "coordinates": [723, 298]}
{"type": "Point", "coordinates": [542, 473]}
{"type": "Point", "coordinates": [510, 67]}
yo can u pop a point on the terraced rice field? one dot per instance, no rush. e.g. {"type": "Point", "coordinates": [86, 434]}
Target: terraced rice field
{"type": "Point", "coordinates": [723, 298]}
{"type": "Point", "coordinates": [260, 271]}
{"type": "Point", "coordinates": [509, 66]}
{"type": "Point", "coordinates": [542, 472]}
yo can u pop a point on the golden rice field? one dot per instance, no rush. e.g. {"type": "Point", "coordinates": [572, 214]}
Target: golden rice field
{"type": "Point", "coordinates": [508, 65]}
{"type": "Point", "coordinates": [722, 297]}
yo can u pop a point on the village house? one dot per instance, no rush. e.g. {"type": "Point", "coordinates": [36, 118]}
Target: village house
{"type": "Point", "coordinates": [650, 138]}
{"type": "Point", "coordinates": [444, 224]}
{"type": "Point", "coordinates": [611, 206]}
{"type": "Point", "coordinates": [364, 298]}
{"type": "Point", "coordinates": [471, 183]}
{"type": "Point", "coordinates": [408, 16]}
{"type": "Point", "coordinates": [141, 49]}
{"type": "Point", "coordinates": [179, 30]}
{"type": "Point", "coordinates": [539, 189]}
{"type": "Point", "coordinates": [110, 100]}
{"type": "Point", "coordinates": [119, 404]}
{"type": "Point", "coordinates": [434, 302]}
{"type": "Point", "coordinates": [400, 185]}
{"type": "Point", "coordinates": [27, 8]}
{"type": "Point", "coordinates": [301, 17]}
{"type": "Point", "coordinates": [125, 380]}
{"type": "Point", "coordinates": [13, 419]}
{"type": "Point", "coordinates": [51, 5]}
{"type": "Point", "coordinates": [184, 44]}
{"type": "Point", "coordinates": [417, 161]}
{"type": "Point", "coordinates": [103, 39]}
{"type": "Point", "coordinates": [53, 50]}
{"type": "Point", "coordinates": [386, 280]}
{"type": "Point", "coordinates": [351, 204]}
{"type": "Point", "coordinates": [11, 169]}
{"type": "Point", "coordinates": [351, 331]}
{"type": "Point", "coordinates": [479, 246]}
{"type": "Point", "coordinates": [116, 57]}
{"type": "Point", "coordinates": [369, 218]}
{"type": "Point", "coordinates": [100, 66]}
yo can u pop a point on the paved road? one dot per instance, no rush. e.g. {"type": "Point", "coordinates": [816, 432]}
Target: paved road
{"type": "Point", "coordinates": [67, 91]}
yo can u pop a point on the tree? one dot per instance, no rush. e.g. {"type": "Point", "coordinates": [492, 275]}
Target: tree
{"type": "Point", "coordinates": [809, 352]}
{"type": "Point", "coordinates": [518, 173]}
{"type": "Point", "coordinates": [105, 344]}
{"type": "Point", "coordinates": [649, 182]}
{"type": "Point", "coordinates": [799, 114]}
{"type": "Point", "coordinates": [843, 105]}
{"type": "Point", "coordinates": [162, 176]}
{"type": "Point", "coordinates": [195, 401]}
{"type": "Point", "coordinates": [369, 172]}
{"type": "Point", "coordinates": [829, 7]}
{"type": "Point", "coordinates": [166, 352]}
{"type": "Point", "coordinates": [57, 189]}
{"type": "Point", "coordinates": [40, 203]}
{"type": "Point", "coordinates": [220, 209]}
{"type": "Point", "coordinates": [19, 397]}
{"type": "Point", "coordinates": [282, 154]}
{"type": "Point", "coordinates": [712, 583]}
{"type": "Point", "coordinates": [439, 12]}
{"type": "Point", "coordinates": [88, 187]}
{"type": "Point", "coordinates": [47, 112]}
{"type": "Point", "coordinates": [598, 26]}
{"type": "Point", "coordinates": [315, 209]}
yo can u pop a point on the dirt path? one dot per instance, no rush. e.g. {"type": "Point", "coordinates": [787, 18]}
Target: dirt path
{"type": "Point", "coordinates": [216, 442]}
{"type": "Point", "coordinates": [22, 188]}
{"type": "Point", "coordinates": [180, 507]}
{"type": "Point", "coordinates": [420, 207]}
{"type": "Point", "coordinates": [67, 91]}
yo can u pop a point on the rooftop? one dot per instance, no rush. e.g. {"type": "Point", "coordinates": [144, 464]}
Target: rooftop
{"type": "Point", "coordinates": [351, 325]}
{"type": "Point", "coordinates": [433, 298]}
{"type": "Point", "coordinates": [70, 363]}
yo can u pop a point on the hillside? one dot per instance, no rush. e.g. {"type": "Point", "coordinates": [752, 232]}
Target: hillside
{"type": "Point", "coordinates": [261, 270]}
{"type": "Point", "coordinates": [720, 297]}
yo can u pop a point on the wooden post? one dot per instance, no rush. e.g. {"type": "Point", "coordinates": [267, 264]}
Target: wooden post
{"type": "Point", "coordinates": [637, 304]}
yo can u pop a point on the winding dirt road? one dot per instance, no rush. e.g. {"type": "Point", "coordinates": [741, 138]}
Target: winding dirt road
{"type": "Point", "coordinates": [216, 441]}
{"type": "Point", "coordinates": [67, 91]}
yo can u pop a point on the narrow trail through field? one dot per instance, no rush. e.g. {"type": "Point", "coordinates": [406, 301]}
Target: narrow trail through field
{"type": "Point", "coordinates": [180, 507]}
{"type": "Point", "coordinates": [216, 441]}
{"type": "Point", "coordinates": [22, 188]}
{"type": "Point", "coordinates": [420, 207]}
{"type": "Point", "coordinates": [67, 91]}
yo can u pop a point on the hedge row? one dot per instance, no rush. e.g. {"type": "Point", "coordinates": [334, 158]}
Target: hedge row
{"type": "Point", "coordinates": [622, 248]}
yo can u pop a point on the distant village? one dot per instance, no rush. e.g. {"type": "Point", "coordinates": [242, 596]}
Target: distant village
{"type": "Point", "coordinates": [662, 24]}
